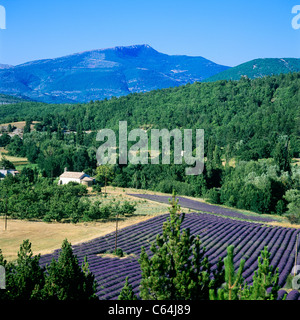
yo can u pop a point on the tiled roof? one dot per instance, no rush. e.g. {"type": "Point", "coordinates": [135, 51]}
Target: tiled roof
{"type": "Point", "coordinates": [74, 175]}
{"type": "Point", "coordinates": [88, 179]}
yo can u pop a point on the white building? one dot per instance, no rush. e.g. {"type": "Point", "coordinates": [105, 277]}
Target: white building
{"type": "Point", "coordinates": [79, 177]}
{"type": "Point", "coordinates": [6, 172]}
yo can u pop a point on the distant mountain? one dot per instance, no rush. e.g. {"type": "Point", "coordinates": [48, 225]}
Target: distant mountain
{"type": "Point", "coordinates": [103, 73]}
{"type": "Point", "coordinates": [5, 66]}
{"type": "Point", "coordinates": [259, 68]}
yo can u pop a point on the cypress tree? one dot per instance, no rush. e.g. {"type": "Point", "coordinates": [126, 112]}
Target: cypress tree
{"type": "Point", "coordinates": [211, 145]}
{"type": "Point", "coordinates": [79, 135]}
{"type": "Point", "coordinates": [217, 161]}
{"type": "Point", "coordinates": [282, 155]}
{"type": "Point", "coordinates": [27, 128]}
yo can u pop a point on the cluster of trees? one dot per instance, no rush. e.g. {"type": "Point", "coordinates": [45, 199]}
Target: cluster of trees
{"type": "Point", "coordinates": [263, 186]}
{"type": "Point", "coordinates": [53, 152]}
{"type": "Point", "coordinates": [259, 186]}
{"type": "Point", "coordinates": [5, 139]}
{"type": "Point", "coordinates": [178, 270]}
{"type": "Point", "coordinates": [63, 279]}
{"type": "Point", "coordinates": [28, 196]}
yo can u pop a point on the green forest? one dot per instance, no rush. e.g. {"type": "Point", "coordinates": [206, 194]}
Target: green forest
{"type": "Point", "coordinates": [252, 135]}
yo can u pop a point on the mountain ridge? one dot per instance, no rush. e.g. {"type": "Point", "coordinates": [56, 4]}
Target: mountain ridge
{"type": "Point", "coordinates": [117, 71]}
{"type": "Point", "coordinates": [258, 68]}
{"type": "Point", "coordinates": [103, 73]}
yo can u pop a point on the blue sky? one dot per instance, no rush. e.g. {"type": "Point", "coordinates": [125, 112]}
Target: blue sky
{"type": "Point", "coordinates": [227, 32]}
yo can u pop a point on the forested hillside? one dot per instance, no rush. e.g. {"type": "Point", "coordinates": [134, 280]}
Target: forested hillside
{"type": "Point", "coordinates": [5, 99]}
{"type": "Point", "coordinates": [252, 126]}
{"type": "Point", "coordinates": [245, 116]}
{"type": "Point", "coordinates": [258, 68]}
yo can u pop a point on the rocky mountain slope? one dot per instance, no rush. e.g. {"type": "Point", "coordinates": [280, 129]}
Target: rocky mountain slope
{"type": "Point", "coordinates": [103, 73]}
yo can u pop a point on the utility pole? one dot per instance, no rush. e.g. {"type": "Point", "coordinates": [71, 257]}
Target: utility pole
{"type": "Point", "coordinates": [116, 238]}
{"type": "Point", "coordinates": [105, 178]}
{"type": "Point", "coordinates": [5, 217]}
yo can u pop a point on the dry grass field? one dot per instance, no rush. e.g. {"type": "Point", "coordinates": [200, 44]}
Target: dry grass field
{"type": "Point", "coordinates": [17, 161]}
{"type": "Point", "coordinates": [20, 124]}
{"type": "Point", "coordinates": [296, 161]}
{"type": "Point", "coordinates": [46, 237]}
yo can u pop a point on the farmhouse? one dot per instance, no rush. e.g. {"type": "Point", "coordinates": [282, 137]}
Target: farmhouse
{"type": "Point", "coordinates": [79, 177]}
{"type": "Point", "coordinates": [6, 172]}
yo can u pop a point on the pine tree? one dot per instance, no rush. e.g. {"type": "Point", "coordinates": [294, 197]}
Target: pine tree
{"type": "Point", "coordinates": [27, 127]}
{"type": "Point", "coordinates": [266, 277]}
{"type": "Point", "coordinates": [23, 278]}
{"type": "Point", "coordinates": [233, 280]}
{"type": "Point", "coordinates": [9, 128]}
{"type": "Point", "coordinates": [127, 292]}
{"type": "Point", "coordinates": [66, 280]}
{"type": "Point", "coordinates": [264, 282]}
{"type": "Point", "coordinates": [177, 269]}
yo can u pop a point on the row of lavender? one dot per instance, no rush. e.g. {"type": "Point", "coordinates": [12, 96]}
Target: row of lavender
{"type": "Point", "coordinates": [206, 207]}
{"type": "Point", "coordinates": [216, 234]}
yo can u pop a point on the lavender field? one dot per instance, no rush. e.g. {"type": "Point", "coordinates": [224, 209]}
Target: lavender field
{"type": "Point", "coordinates": [216, 234]}
{"type": "Point", "coordinates": [206, 207]}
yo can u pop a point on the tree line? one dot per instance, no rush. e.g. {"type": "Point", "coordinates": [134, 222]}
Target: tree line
{"type": "Point", "coordinates": [29, 196]}
{"type": "Point", "coordinates": [63, 279]}
{"type": "Point", "coordinates": [247, 117]}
